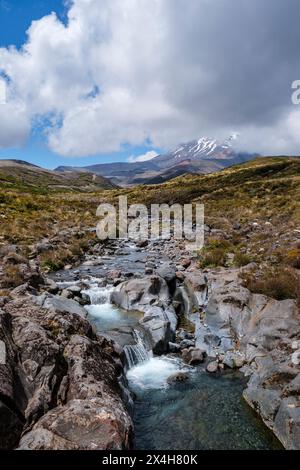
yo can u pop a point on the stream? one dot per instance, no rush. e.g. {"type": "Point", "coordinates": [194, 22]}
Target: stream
{"type": "Point", "coordinates": [205, 412]}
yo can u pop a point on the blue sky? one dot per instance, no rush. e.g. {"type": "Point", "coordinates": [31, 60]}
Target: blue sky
{"type": "Point", "coordinates": [15, 18]}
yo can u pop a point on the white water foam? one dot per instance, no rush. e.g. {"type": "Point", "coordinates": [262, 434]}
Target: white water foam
{"type": "Point", "coordinates": [154, 373]}
{"type": "Point", "coordinates": [98, 295]}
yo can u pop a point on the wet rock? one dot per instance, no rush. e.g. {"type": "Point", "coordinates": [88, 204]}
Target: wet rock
{"type": "Point", "coordinates": [51, 286]}
{"type": "Point", "coordinates": [187, 343]}
{"type": "Point", "coordinates": [174, 347]}
{"type": "Point", "coordinates": [287, 423]}
{"type": "Point", "coordinates": [158, 329]}
{"type": "Point", "coordinates": [264, 401]}
{"type": "Point", "coordinates": [178, 377]}
{"type": "Point", "coordinates": [148, 271]}
{"type": "Point", "coordinates": [142, 243]}
{"type": "Point", "coordinates": [212, 367]}
{"type": "Point", "coordinates": [234, 360]}
{"type": "Point", "coordinates": [168, 273]}
{"type": "Point", "coordinates": [183, 334]}
{"type": "Point", "coordinates": [75, 290]}
{"type": "Point", "coordinates": [138, 294]}
{"type": "Point", "coordinates": [113, 275]}
{"type": "Point", "coordinates": [192, 356]}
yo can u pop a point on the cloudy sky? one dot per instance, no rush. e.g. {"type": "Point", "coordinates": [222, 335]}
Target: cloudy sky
{"type": "Point", "coordinates": [105, 80]}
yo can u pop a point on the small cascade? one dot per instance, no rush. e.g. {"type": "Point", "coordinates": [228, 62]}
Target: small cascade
{"type": "Point", "coordinates": [98, 295]}
{"type": "Point", "coordinates": [136, 353]}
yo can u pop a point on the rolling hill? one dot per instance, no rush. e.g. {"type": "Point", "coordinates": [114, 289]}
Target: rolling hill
{"type": "Point", "coordinates": [20, 174]}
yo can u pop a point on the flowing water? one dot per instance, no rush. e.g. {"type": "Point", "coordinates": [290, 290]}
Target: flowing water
{"type": "Point", "coordinates": [205, 412]}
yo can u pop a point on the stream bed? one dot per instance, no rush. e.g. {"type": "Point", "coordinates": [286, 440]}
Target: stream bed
{"type": "Point", "coordinates": [205, 412]}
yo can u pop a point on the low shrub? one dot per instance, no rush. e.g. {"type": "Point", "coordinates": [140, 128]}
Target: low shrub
{"type": "Point", "coordinates": [242, 259]}
{"type": "Point", "coordinates": [280, 283]}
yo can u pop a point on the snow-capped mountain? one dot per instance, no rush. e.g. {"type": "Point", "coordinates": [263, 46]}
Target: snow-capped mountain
{"type": "Point", "coordinates": [198, 156]}
{"type": "Point", "coordinates": [199, 150]}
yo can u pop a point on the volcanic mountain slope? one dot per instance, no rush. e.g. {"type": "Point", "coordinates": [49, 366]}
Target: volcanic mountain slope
{"type": "Point", "coordinates": [17, 173]}
{"type": "Point", "coordinates": [198, 156]}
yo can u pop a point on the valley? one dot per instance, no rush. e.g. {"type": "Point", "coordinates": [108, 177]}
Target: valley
{"type": "Point", "coordinates": [121, 345]}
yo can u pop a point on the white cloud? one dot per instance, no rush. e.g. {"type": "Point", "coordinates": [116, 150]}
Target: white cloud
{"type": "Point", "coordinates": [143, 158]}
{"type": "Point", "coordinates": [166, 70]}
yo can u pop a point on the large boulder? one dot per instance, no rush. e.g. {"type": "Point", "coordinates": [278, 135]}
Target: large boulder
{"type": "Point", "coordinates": [138, 294]}
{"type": "Point", "coordinates": [69, 376]}
{"type": "Point", "coordinates": [57, 303]}
{"type": "Point", "coordinates": [93, 424]}
{"type": "Point", "coordinates": [159, 327]}
{"type": "Point", "coordinates": [12, 396]}
{"type": "Point", "coordinates": [287, 423]}
{"type": "Point", "coordinates": [168, 272]}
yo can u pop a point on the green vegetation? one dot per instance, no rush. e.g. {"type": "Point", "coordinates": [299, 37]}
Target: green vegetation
{"type": "Point", "coordinates": [253, 211]}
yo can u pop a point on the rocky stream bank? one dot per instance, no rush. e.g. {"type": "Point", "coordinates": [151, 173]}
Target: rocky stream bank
{"type": "Point", "coordinates": [63, 384]}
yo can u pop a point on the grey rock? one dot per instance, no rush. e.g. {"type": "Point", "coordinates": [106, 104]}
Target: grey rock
{"type": "Point", "coordinates": [234, 359]}
{"type": "Point", "coordinates": [212, 367]}
{"type": "Point", "coordinates": [287, 423]}
{"type": "Point", "coordinates": [187, 343]}
{"type": "Point", "coordinates": [177, 377]}
{"type": "Point", "coordinates": [59, 304]}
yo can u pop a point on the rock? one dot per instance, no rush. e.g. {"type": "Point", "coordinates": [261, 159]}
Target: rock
{"type": "Point", "coordinates": [234, 359]}
{"type": "Point", "coordinates": [293, 387]}
{"type": "Point", "coordinates": [158, 329]}
{"type": "Point", "coordinates": [212, 340]}
{"type": "Point", "coordinates": [177, 377]}
{"type": "Point", "coordinates": [180, 276]}
{"type": "Point", "coordinates": [174, 347]}
{"type": "Point", "coordinates": [296, 358]}
{"type": "Point", "coordinates": [51, 286]}
{"type": "Point", "coordinates": [168, 273]}
{"type": "Point", "coordinates": [66, 294]}
{"type": "Point", "coordinates": [68, 267]}
{"type": "Point", "coordinates": [287, 423]}
{"type": "Point", "coordinates": [264, 401]}
{"type": "Point", "coordinates": [187, 343]}
{"type": "Point", "coordinates": [148, 271]}
{"type": "Point", "coordinates": [12, 394]}
{"type": "Point", "coordinates": [76, 290]}
{"type": "Point", "coordinates": [142, 243]}
{"type": "Point", "coordinates": [94, 424]}
{"type": "Point", "coordinates": [65, 384]}
{"type": "Point", "coordinates": [57, 303]}
{"type": "Point", "coordinates": [116, 274]}
{"type": "Point", "coordinates": [183, 334]}
{"type": "Point", "coordinates": [196, 280]}
{"type": "Point", "coordinates": [138, 294]}
{"type": "Point", "coordinates": [192, 356]}
{"type": "Point", "coordinates": [43, 247]}
{"type": "Point", "coordinates": [212, 367]}
{"type": "Point", "coordinates": [185, 262]}
{"type": "Point", "coordinates": [20, 290]}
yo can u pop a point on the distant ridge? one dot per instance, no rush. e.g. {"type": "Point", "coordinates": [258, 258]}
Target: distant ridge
{"type": "Point", "coordinates": [21, 174]}
{"type": "Point", "coordinates": [200, 156]}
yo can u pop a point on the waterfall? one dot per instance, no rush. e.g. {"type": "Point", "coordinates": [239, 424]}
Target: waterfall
{"type": "Point", "coordinates": [136, 353]}
{"type": "Point", "coordinates": [98, 295]}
